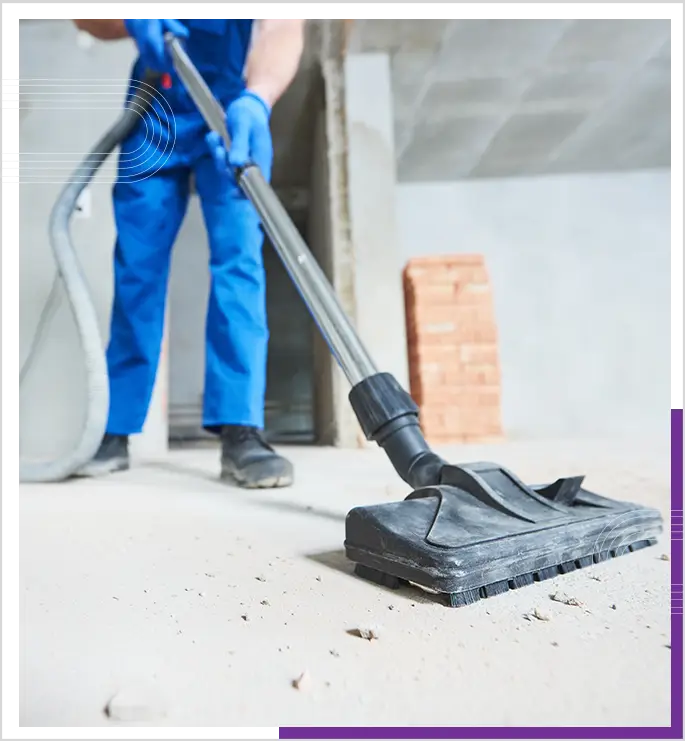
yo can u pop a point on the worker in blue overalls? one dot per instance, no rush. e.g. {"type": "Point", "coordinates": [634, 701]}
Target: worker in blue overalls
{"type": "Point", "coordinates": [247, 65]}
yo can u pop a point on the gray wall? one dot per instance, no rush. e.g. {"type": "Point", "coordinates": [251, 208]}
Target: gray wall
{"type": "Point", "coordinates": [580, 266]}
{"type": "Point", "coordinates": [371, 197]}
{"type": "Point", "coordinates": [319, 241]}
{"type": "Point", "coordinates": [62, 129]}
{"type": "Point", "coordinates": [330, 240]}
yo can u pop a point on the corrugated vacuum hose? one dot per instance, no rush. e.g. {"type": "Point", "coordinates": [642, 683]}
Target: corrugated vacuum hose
{"type": "Point", "coordinates": [78, 295]}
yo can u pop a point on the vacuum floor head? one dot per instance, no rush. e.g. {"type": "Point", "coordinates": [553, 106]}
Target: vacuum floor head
{"type": "Point", "coordinates": [482, 531]}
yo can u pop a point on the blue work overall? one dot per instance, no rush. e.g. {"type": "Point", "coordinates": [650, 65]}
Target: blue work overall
{"type": "Point", "coordinates": [150, 199]}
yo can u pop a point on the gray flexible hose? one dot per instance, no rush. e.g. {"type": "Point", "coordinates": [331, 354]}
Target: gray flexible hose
{"type": "Point", "coordinates": [78, 294]}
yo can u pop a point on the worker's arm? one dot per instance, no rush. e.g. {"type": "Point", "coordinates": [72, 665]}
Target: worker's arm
{"type": "Point", "coordinates": [271, 66]}
{"type": "Point", "coordinates": [274, 58]}
{"type": "Point", "coordinates": [102, 29]}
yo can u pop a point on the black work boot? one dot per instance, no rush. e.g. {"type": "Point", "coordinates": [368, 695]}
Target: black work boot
{"type": "Point", "coordinates": [250, 462]}
{"type": "Point", "coordinates": [112, 456]}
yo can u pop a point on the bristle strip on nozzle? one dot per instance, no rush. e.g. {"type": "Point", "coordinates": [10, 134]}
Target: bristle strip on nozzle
{"type": "Point", "coordinates": [468, 597]}
{"type": "Point", "coordinates": [471, 596]}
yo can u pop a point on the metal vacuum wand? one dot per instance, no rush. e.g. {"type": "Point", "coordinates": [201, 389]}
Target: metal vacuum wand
{"type": "Point", "coordinates": [309, 279]}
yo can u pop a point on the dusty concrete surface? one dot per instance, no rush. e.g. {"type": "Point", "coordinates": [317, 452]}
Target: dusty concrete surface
{"type": "Point", "coordinates": [502, 98]}
{"type": "Point", "coordinates": [180, 601]}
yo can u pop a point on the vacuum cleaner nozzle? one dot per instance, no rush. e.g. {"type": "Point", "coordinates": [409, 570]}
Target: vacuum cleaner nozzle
{"type": "Point", "coordinates": [475, 530]}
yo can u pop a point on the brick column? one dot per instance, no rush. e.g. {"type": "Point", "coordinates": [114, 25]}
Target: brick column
{"type": "Point", "coordinates": [452, 347]}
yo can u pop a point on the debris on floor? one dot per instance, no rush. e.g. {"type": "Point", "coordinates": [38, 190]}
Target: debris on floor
{"type": "Point", "coordinates": [538, 614]}
{"type": "Point", "coordinates": [368, 632]}
{"type": "Point", "coordinates": [565, 599]}
{"type": "Point", "coordinates": [303, 681]}
{"type": "Point", "coordinates": [65, 597]}
{"type": "Point", "coordinates": [133, 706]}
{"type": "Point", "coordinates": [613, 607]}
{"type": "Point", "coordinates": [260, 578]}
{"type": "Point", "coordinates": [265, 602]}
{"type": "Point", "coordinates": [664, 557]}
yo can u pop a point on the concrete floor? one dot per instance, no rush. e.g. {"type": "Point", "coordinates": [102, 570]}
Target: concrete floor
{"type": "Point", "coordinates": [201, 603]}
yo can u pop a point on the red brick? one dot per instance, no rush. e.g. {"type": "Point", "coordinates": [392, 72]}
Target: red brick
{"type": "Point", "coordinates": [428, 264]}
{"type": "Point", "coordinates": [470, 375]}
{"type": "Point", "coordinates": [452, 347]}
{"type": "Point", "coordinates": [479, 353]}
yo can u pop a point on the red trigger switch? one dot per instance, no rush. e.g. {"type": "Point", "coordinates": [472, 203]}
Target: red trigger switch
{"type": "Point", "coordinates": [166, 81]}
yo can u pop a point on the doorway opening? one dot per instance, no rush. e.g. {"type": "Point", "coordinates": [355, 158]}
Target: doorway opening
{"type": "Point", "coordinates": [290, 395]}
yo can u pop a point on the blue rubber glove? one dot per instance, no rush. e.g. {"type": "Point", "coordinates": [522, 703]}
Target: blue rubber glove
{"type": "Point", "coordinates": [247, 121]}
{"type": "Point", "coordinates": [149, 38]}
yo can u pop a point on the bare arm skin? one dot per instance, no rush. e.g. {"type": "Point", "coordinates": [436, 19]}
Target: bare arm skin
{"type": "Point", "coordinates": [103, 30]}
{"type": "Point", "coordinates": [271, 66]}
{"type": "Point", "coordinates": [275, 58]}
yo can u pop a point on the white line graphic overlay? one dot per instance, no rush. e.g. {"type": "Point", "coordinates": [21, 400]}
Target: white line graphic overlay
{"type": "Point", "coordinates": [11, 93]}
{"type": "Point", "coordinates": [59, 101]}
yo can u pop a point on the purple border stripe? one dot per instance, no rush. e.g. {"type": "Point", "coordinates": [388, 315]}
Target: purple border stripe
{"type": "Point", "coordinates": [480, 732]}
{"type": "Point", "coordinates": [582, 732]}
{"type": "Point", "coordinates": [677, 572]}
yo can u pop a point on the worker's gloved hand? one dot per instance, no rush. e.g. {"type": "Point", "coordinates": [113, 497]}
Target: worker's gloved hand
{"type": "Point", "coordinates": [247, 122]}
{"type": "Point", "coordinates": [149, 38]}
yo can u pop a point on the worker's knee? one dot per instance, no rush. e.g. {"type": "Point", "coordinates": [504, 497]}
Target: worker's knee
{"type": "Point", "coordinates": [235, 238]}
{"type": "Point", "coordinates": [148, 215]}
